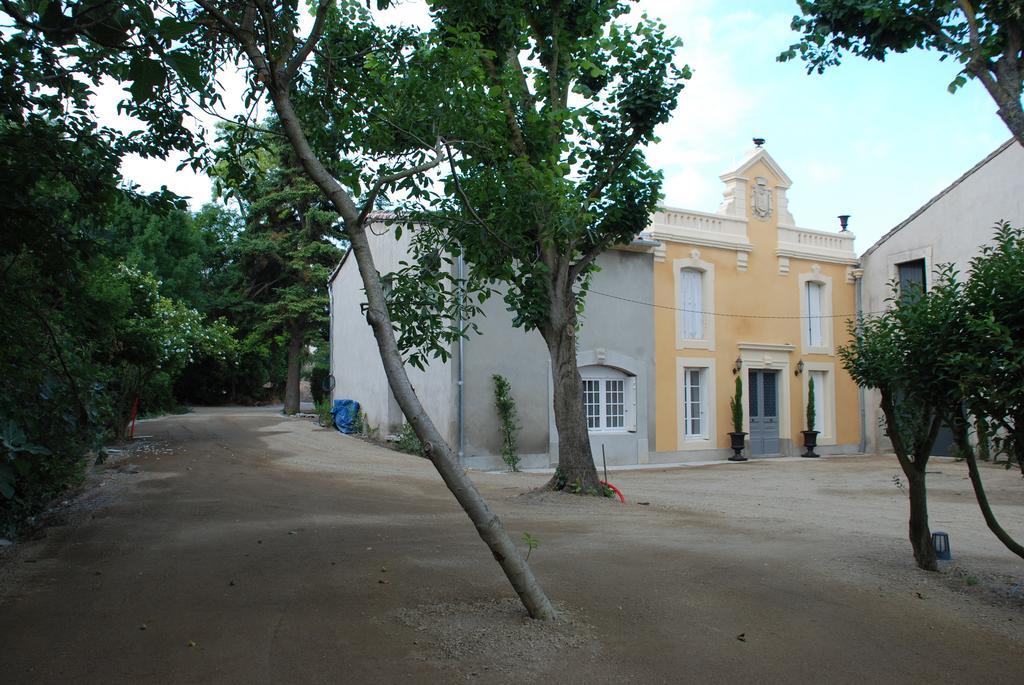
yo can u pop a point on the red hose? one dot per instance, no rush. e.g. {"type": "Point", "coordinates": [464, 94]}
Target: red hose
{"type": "Point", "coordinates": [618, 492]}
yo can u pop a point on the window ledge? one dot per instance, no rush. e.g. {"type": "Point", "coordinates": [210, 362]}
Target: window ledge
{"type": "Point", "coordinates": [688, 344]}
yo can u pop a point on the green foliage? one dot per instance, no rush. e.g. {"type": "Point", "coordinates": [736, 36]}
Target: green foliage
{"type": "Point", "coordinates": [956, 351]}
{"type": "Point", "coordinates": [531, 542]}
{"type": "Point", "coordinates": [905, 354]}
{"type": "Point", "coordinates": [287, 248]}
{"type": "Point", "coordinates": [736, 406]}
{"type": "Point", "coordinates": [319, 377]}
{"type": "Point", "coordinates": [560, 479]}
{"type": "Point", "coordinates": [505, 404]}
{"type": "Point", "coordinates": [325, 418]}
{"type": "Point", "coordinates": [407, 440]}
{"type": "Point", "coordinates": [989, 365]}
{"type": "Point", "coordinates": [810, 404]}
{"type": "Point", "coordinates": [58, 316]}
{"type": "Point", "coordinates": [535, 185]}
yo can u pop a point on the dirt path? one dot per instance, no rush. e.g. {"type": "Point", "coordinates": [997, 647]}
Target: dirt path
{"type": "Point", "coordinates": [254, 549]}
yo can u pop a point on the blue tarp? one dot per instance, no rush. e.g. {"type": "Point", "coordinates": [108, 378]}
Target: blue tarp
{"type": "Point", "coordinates": [346, 413]}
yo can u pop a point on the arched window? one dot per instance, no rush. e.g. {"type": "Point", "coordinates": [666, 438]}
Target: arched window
{"type": "Point", "coordinates": [608, 399]}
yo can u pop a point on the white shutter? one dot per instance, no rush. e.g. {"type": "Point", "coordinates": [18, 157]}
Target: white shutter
{"type": "Point", "coordinates": [814, 338]}
{"type": "Point", "coordinates": [692, 301]}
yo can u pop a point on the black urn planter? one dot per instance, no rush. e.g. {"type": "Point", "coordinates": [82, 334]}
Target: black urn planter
{"type": "Point", "coordinates": [810, 442]}
{"type": "Point", "coordinates": [737, 446]}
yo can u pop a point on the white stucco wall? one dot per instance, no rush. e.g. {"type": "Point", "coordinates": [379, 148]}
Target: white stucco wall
{"type": "Point", "coordinates": [950, 229]}
{"type": "Point", "coordinates": [355, 360]}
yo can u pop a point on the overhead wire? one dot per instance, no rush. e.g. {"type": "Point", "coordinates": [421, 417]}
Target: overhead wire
{"type": "Point", "coordinates": [725, 314]}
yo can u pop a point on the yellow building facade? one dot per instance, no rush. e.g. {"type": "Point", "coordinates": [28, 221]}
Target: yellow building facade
{"type": "Point", "coordinates": [745, 293]}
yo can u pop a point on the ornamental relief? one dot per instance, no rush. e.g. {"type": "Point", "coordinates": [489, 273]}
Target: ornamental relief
{"type": "Point", "coordinates": [762, 199]}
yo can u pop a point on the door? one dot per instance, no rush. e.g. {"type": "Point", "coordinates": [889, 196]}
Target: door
{"type": "Point", "coordinates": [763, 393]}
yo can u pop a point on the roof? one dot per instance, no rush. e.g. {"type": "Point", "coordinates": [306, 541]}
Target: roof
{"type": "Point", "coordinates": [754, 156]}
{"type": "Point", "coordinates": [334, 274]}
{"type": "Point", "coordinates": [970, 172]}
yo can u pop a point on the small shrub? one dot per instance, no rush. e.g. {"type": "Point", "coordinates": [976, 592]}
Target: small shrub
{"type": "Point", "coordinates": [811, 417]}
{"type": "Point", "coordinates": [736, 407]}
{"type": "Point", "coordinates": [407, 440]}
{"type": "Point", "coordinates": [507, 414]}
{"type": "Point", "coordinates": [366, 428]}
{"type": "Point", "coordinates": [532, 543]}
{"type": "Point", "coordinates": [319, 378]}
{"type": "Point", "coordinates": [560, 479]}
{"type": "Point", "coordinates": [323, 413]}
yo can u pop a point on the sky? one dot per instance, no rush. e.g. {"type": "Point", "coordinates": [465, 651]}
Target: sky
{"type": "Point", "coordinates": [872, 140]}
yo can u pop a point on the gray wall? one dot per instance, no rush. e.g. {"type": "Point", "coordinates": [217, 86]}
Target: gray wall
{"type": "Point", "coordinates": [949, 230]}
{"type": "Point", "coordinates": [355, 358]}
{"type": "Point", "coordinates": [614, 332]}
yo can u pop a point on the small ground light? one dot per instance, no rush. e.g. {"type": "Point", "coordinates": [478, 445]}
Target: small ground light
{"type": "Point", "coordinates": [940, 541]}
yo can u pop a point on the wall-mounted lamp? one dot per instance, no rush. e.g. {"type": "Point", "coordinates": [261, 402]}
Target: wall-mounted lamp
{"type": "Point", "coordinates": [737, 365]}
{"type": "Point", "coordinates": [799, 368]}
{"type": "Point", "coordinates": [844, 222]}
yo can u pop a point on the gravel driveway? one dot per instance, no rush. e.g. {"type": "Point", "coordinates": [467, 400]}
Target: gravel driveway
{"type": "Point", "coordinates": [237, 546]}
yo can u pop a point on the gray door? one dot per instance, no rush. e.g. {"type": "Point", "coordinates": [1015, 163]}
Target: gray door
{"type": "Point", "coordinates": [764, 412]}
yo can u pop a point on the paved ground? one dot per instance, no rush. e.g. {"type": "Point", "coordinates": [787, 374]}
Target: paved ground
{"type": "Point", "coordinates": [248, 548]}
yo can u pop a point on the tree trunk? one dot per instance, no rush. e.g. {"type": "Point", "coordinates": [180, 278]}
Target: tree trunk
{"type": "Point", "coordinates": [575, 460]}
{"type": "Point", "coordinates": [964, 445]}
{"type": "Point", "coordinates": [296, 342]}
{"type": "Point", "coordinates": [487, 524]}
{"type": "Point", "coordinates": [920, 534]}
{"type": "Point", "coordinates": [914, 467]}
{"type": "Point", "coordinates": [1005, 88]}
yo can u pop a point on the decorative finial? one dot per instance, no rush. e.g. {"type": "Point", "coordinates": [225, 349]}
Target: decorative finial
{"type": "Point", "coordinates": [844, 221]}
{"type": "Point", "coordinates": [758, 142]}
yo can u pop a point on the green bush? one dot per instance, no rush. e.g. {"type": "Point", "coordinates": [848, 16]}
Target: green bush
{"type": "Point", "coordinates": [736, 407]}
{"type": "Point", "coordinates": [407, 440]}
{"type": "Point", "coordinates": [811, 417]}
{"type": "Point", "coordinates": [508, 416]}
{"type": "Point", "coordinates": [318, 378]}
{"type": "Point", "coordinates": [324, 415]}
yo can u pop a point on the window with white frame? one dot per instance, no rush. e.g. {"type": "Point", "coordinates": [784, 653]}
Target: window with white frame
{"type": "Point", "coordinates": [691, 299]}
{"type": "Point", "coordinates": [694, 403]}
{"type": "Point", "coordinates": [607, 399]}
{"type": "Point", "coordinates": [815, 323]}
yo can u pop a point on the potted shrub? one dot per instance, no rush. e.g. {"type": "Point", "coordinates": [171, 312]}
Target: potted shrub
{"type": "Point", "coordinates": [810, 435]}
{"type": "Point", "coordinates": [737, 435]}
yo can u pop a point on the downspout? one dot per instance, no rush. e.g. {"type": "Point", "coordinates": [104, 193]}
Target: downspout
{"type": "Point", "coordinates": [460, 267]}
{"type": "Point", "coordinates": [330, 341]}
{"type": "Point", "coordinates": [858, 276]}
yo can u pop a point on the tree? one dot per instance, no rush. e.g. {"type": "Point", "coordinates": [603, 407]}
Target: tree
{"type": "Point", "coordinates": [266, 34]}
{"type": "Point", "coordinates": [989, 363]}
{"type": "Point", "coordinates": [991, 369]}
{"type": "Point", "coordinates": [182, 52]}
{"type": "Point", "coordinates": [985, 36]}
{"type": "Point", "coordinates": [897, 352]}
{"type": "Point", "coordinates": [546, 169]}
{"type": "Point", "coordinates": [285, 253]}
{"type": "Point", "coordinates": [163, 241]}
